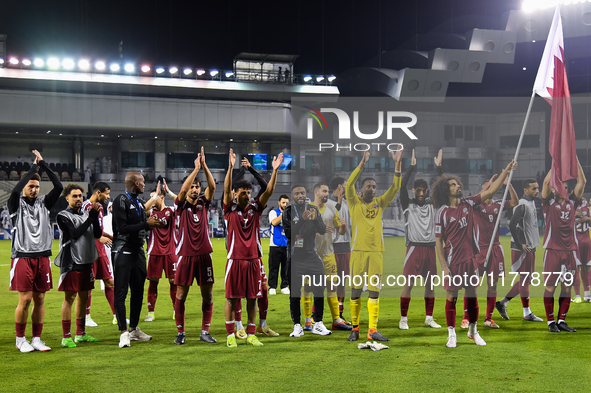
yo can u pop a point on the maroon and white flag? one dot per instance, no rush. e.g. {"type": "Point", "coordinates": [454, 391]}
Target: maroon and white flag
{"type": "Point", "coordinates": [551, 83]}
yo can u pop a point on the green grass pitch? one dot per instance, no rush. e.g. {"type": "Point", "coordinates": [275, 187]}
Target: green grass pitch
{"type": "Point", "coordinates": [521, 356]}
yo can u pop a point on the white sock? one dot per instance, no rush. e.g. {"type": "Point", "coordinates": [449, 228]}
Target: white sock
{"type": "Point", "coordinates": [577, 296]}
{"type": "Point", "coordinates": [239, 325]}
{"type": "Point", "coordinates": [472, 329]}
{"type": "Point", "coordinates": [526, 311]}
{"type": "Point", "coordinates": [587, 293]}
{"type": "Point", "coordinates": [505, 301]}
{"type": "Point", "coordinates": [230, 335]}
{"type": "Point", "coordinates": [403, 319]}
{"type": "Point", "coordinates": [263, 323]}
{"type": "Point", "coordinates": [204, 331]}
{"type": "Point", "coordinates": [560, 321]}
{"type": "Point", "coordinates": [551, 322]}
{"type": "Point", "coordinates": [451, 331]}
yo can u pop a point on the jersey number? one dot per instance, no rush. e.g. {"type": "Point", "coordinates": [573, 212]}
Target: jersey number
{"type": "Point", "coordinates": [564, 215]}
{"type": "Point", "coordinates": [491, 218]}
{"type": "Point", "coordinates": [463, 222]}
{"type": "Point", "coordinates": [370, 214]}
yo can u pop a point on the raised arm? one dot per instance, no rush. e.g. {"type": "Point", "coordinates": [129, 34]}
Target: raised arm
{"type": "Point", "coordinates": [546, 186]}
{"type": "Point", "coordinates": [514, 198]}
{"type": "Point", "coordinates": [494, 187]}
{"type": "Point", "coordinates": [167, 190]}
{"type": "Point", "coordinates": [190, 179]}
{"type": "Point", "coordinates": [53, 195]}
{"type": "Point", "coordinates": [581, 181]}
{"type": "Point", "coordinates": [208, 176]}
{"type": "Point", "coordinates": [438, 162]}
{"type": "Point", "coordinates": [228, 180]}
{"type": "Point", "coordinates": [404, 200]}
{"type": "Point", "coordinates": [75, 232]}
{"type": "Point", "coordinates": [391, 192]}
{"type": "Point", "coordinates": [18, 189]}
{"type": "Point", "coordinates": [350, 192]}
{"type": "Point", "coordinates": [271, 186]}
{"type": "Point", "coordinates": [153, 199]}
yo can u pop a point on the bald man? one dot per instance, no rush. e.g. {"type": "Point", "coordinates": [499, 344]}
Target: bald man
{"type": "Point", "coordinates": [130, 226]}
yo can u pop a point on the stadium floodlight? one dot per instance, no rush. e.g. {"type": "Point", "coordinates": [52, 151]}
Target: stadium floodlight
{"type": "Point", "coordinates": [331, 78]}
{"type": "Point", "coordinates": [53, 63]}
{"type": "Point", "coordinates": [100, 65]}
{"type": "Point", "coordinates": [115, 67]}
{"type": "Point", "coordinates": [173, 70]}
{"type": "Point", "coordinates": [213, 73]}
{"type": "Point", "coordinates": [145, 68]}
{"type": "Point", "coordinates": [229, 74]}
{"type": "Point", "coordinates": [68, 64]}
{"type": "Point", "coordinates": [38, 62]}
{"type": "Point", "coordinates": [13, 61]}
{"type": "Point", "coordinates": [187, 71]}
{"type": "Point", "coordinates": [129, 67]}
{"type": "Point", "coordinates": [200, 72]}
{"type": "Point", "coordinates": [534, 5]}
{"type": "Point", "coordinates": [307, 78]}
{"type": "Point", "coordinates": [319, 78]}
{"type": "Point", "coordinates": [84, 65]}
{"type": "Point", "coordinates": [1, 60]}
{"type": "Point", "coordinates": [26, 62]}
{"type": "Point", "coordinates": [159, 70]}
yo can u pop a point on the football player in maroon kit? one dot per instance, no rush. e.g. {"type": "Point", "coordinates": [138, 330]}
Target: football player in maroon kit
{"type": "Point", "coordinates": [243, 270]}
{"type": "Point", "coordinates": [456, 248]}
{"type": "Point", "coordinates": [194, 249]}
{"type": "Point", "coordinates": [161, 247]}
{"type": "Point", "coordinates": [560, 242]}
{"type": "Point", "coordinates": [101, 269]}
{"type": "Point", "coordinates": [583, 215]}
{"type": "Point", "coordinates": [484, 223]}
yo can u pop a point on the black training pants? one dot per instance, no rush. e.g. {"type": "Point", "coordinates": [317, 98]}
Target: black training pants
{"type": "Point", "coordinates": [306, 265]}
{"type": "Point", "coordinates": [277, 259]}
{"type": "Point", "coordinates": [129, 268]}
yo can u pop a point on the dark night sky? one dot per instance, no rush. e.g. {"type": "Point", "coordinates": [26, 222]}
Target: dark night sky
{"type": "Point", "coordinates": [209, 34]}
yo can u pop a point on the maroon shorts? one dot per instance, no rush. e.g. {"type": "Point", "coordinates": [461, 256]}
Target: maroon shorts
{"type": "Point", "coordinates": [420, 261]}
{"type": "Point", "coordinates": [496, 262]}
{"type": "Point", "coordinates": [30, 274]}
{"type": "Point", "coordinates": [557, 264]}
{"type": "Point", "coordinates": [343, 260]}
{"type": "Point", "coordinates": [584, 253]}
{"type": "Point", "coordinates": [101, 269]}
{"type": "Point", "coordinates": [263, 276]}
{"type": "Point", "coordinates": [243, 279]}
{"type": "Point", "coordinates": [463, 275]}
{"type": "Point", "coordinates": [158, 263]}
{"type": "Point", "coordinates": [76, 281]}
{"type": "Point", "coordinates": [199, 267]}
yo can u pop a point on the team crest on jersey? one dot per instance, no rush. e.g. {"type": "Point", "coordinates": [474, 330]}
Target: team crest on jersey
{"type": "Point", "coordinates": [167, 214]}
{"type": "Point", "coordinates": [250, 213]}
{"type": "Point", "coordinates": [375, 206]}
{"type": "Point", "coordinates": [465, 210]}
{"type": "Point", "coordinates": [568, 206]}
{"type": "Point", "coordinates": [199, 207]}
{"type": "Point", "coordinates": [496, 210]}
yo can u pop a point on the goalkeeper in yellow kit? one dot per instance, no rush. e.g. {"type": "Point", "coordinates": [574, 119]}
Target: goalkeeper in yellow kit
{"type": "Point", "coordinates": [367, 243]}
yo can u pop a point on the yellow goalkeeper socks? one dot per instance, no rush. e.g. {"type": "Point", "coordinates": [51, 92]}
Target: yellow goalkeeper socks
{"type": "Point", "coordinates": [307, 301]}
{"type": "Point", "coordinates": [355, 311]}
{"type": "Point", "coordinates": [373, 308]}
{"type": "Point", "coordinates": [333, 304]}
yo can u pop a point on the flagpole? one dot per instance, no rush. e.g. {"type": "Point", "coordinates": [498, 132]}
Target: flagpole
{"type": "Point", "coordinates": [494, 234]}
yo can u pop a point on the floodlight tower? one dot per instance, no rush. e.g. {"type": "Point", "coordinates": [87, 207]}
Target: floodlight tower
{"type": "Point", "coordinates": [3, 49]}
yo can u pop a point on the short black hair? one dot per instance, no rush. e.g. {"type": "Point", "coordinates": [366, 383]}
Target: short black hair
{"type": "Point", "coordinates": [527, 182]}
{"type": "Point", "coordinates": [100, 186]}
{"type": "Point", "coordinates": [297, 186]}
{"type": "Point", "coordinates": [318, 185]}
{"type": "Point", "coordinates": [368, 179]}
{"type": "Point", "coordinates": [336, 182]}
{"type": "Point", "coordinates": [283, 196]}
{"type": "Point", "coordinates": [35, 177]}
{"type": "Point", "coordinates": [68, 189]}
{"type": "Point", "coordinates": [196, 181]}
{"type": "Point", "coordinates": [420, 183]}
{"type": "Point", "coordinates": [242, 184]}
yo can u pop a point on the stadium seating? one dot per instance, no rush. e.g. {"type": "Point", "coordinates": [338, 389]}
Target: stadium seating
{"type": "Point", "coordinates": [76, 176]}
{"type": "Point", "coordinates": [3, 175]}
{"type": "Point", "coordinates": [13, 175]}
{"type": "Point", "coordinates": [44, 177]}
{"type": "Point", "coordinates": [65, 176]}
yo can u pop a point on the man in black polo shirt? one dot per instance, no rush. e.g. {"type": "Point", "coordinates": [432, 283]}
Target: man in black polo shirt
{"type": "Point", "coordinates": [130, 226]}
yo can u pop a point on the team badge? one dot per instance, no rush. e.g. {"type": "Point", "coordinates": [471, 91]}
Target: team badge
{"type": "Point", "coordinates": [199, 207]}
{"type": "Point", "coordinates": [496, 210]}
{"type": "Point", "coordinates": [465, 210]}
{"type": "Point", "coordinates": [375, 206]}
{"type": "Point", "coordinates": [250, 213]}
{"type": "Point", "coordinates": [568, 207]}
{"type": "Point", "coordinates": [167, 214]}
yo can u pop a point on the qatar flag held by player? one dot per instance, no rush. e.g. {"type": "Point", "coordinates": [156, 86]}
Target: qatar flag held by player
{"type": "Point", "coordinates": [551, 83]}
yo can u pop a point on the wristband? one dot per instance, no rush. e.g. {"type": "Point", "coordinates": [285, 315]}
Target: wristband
{"type": "Point", "coordinates": [395, 171]}
{"type": "Point", "coordinates": [170, 194]}
{"type": "Point", "coordinates": [155, 197]}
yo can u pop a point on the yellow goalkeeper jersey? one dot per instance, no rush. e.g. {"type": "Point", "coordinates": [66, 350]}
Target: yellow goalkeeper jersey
{"type": "Point", "coordinates": [366, 218]}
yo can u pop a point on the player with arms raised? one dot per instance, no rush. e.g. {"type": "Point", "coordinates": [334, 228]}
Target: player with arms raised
{"type": "Point", "coordinates": [583, 221]}
{"type": "Point", "coordinates": [194, 249]}
{"type": "Point", "coordinates": [560, 242]}
{"type": "Point", "coordinates": [456, 248]}
{"type": "Point", "coordinates": [243, 269]}
{"type": "Point", "coordinates": [367, 244]}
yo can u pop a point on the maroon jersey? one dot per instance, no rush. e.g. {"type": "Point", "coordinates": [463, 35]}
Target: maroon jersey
{"type": "Point", "coordinates": [456, 227]}
{"type": "Point", "coordinates": [87, 205]}
{"type": "Point", "coordinates": [583, 228]}
{"type": "Point", "coordinates": [161, 240]}
{"type": "Point", "coordinates": [561, 226]}
{"type": "Point", "coordinates": [484, 222]}
{"type": "Point", "coordinates": [193, 237]}
{"type": "Point", "coordinates": [243, 230]}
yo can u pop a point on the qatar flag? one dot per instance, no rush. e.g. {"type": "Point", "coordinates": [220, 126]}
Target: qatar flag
{"type": "Point", "coordinates": [551, 83]}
